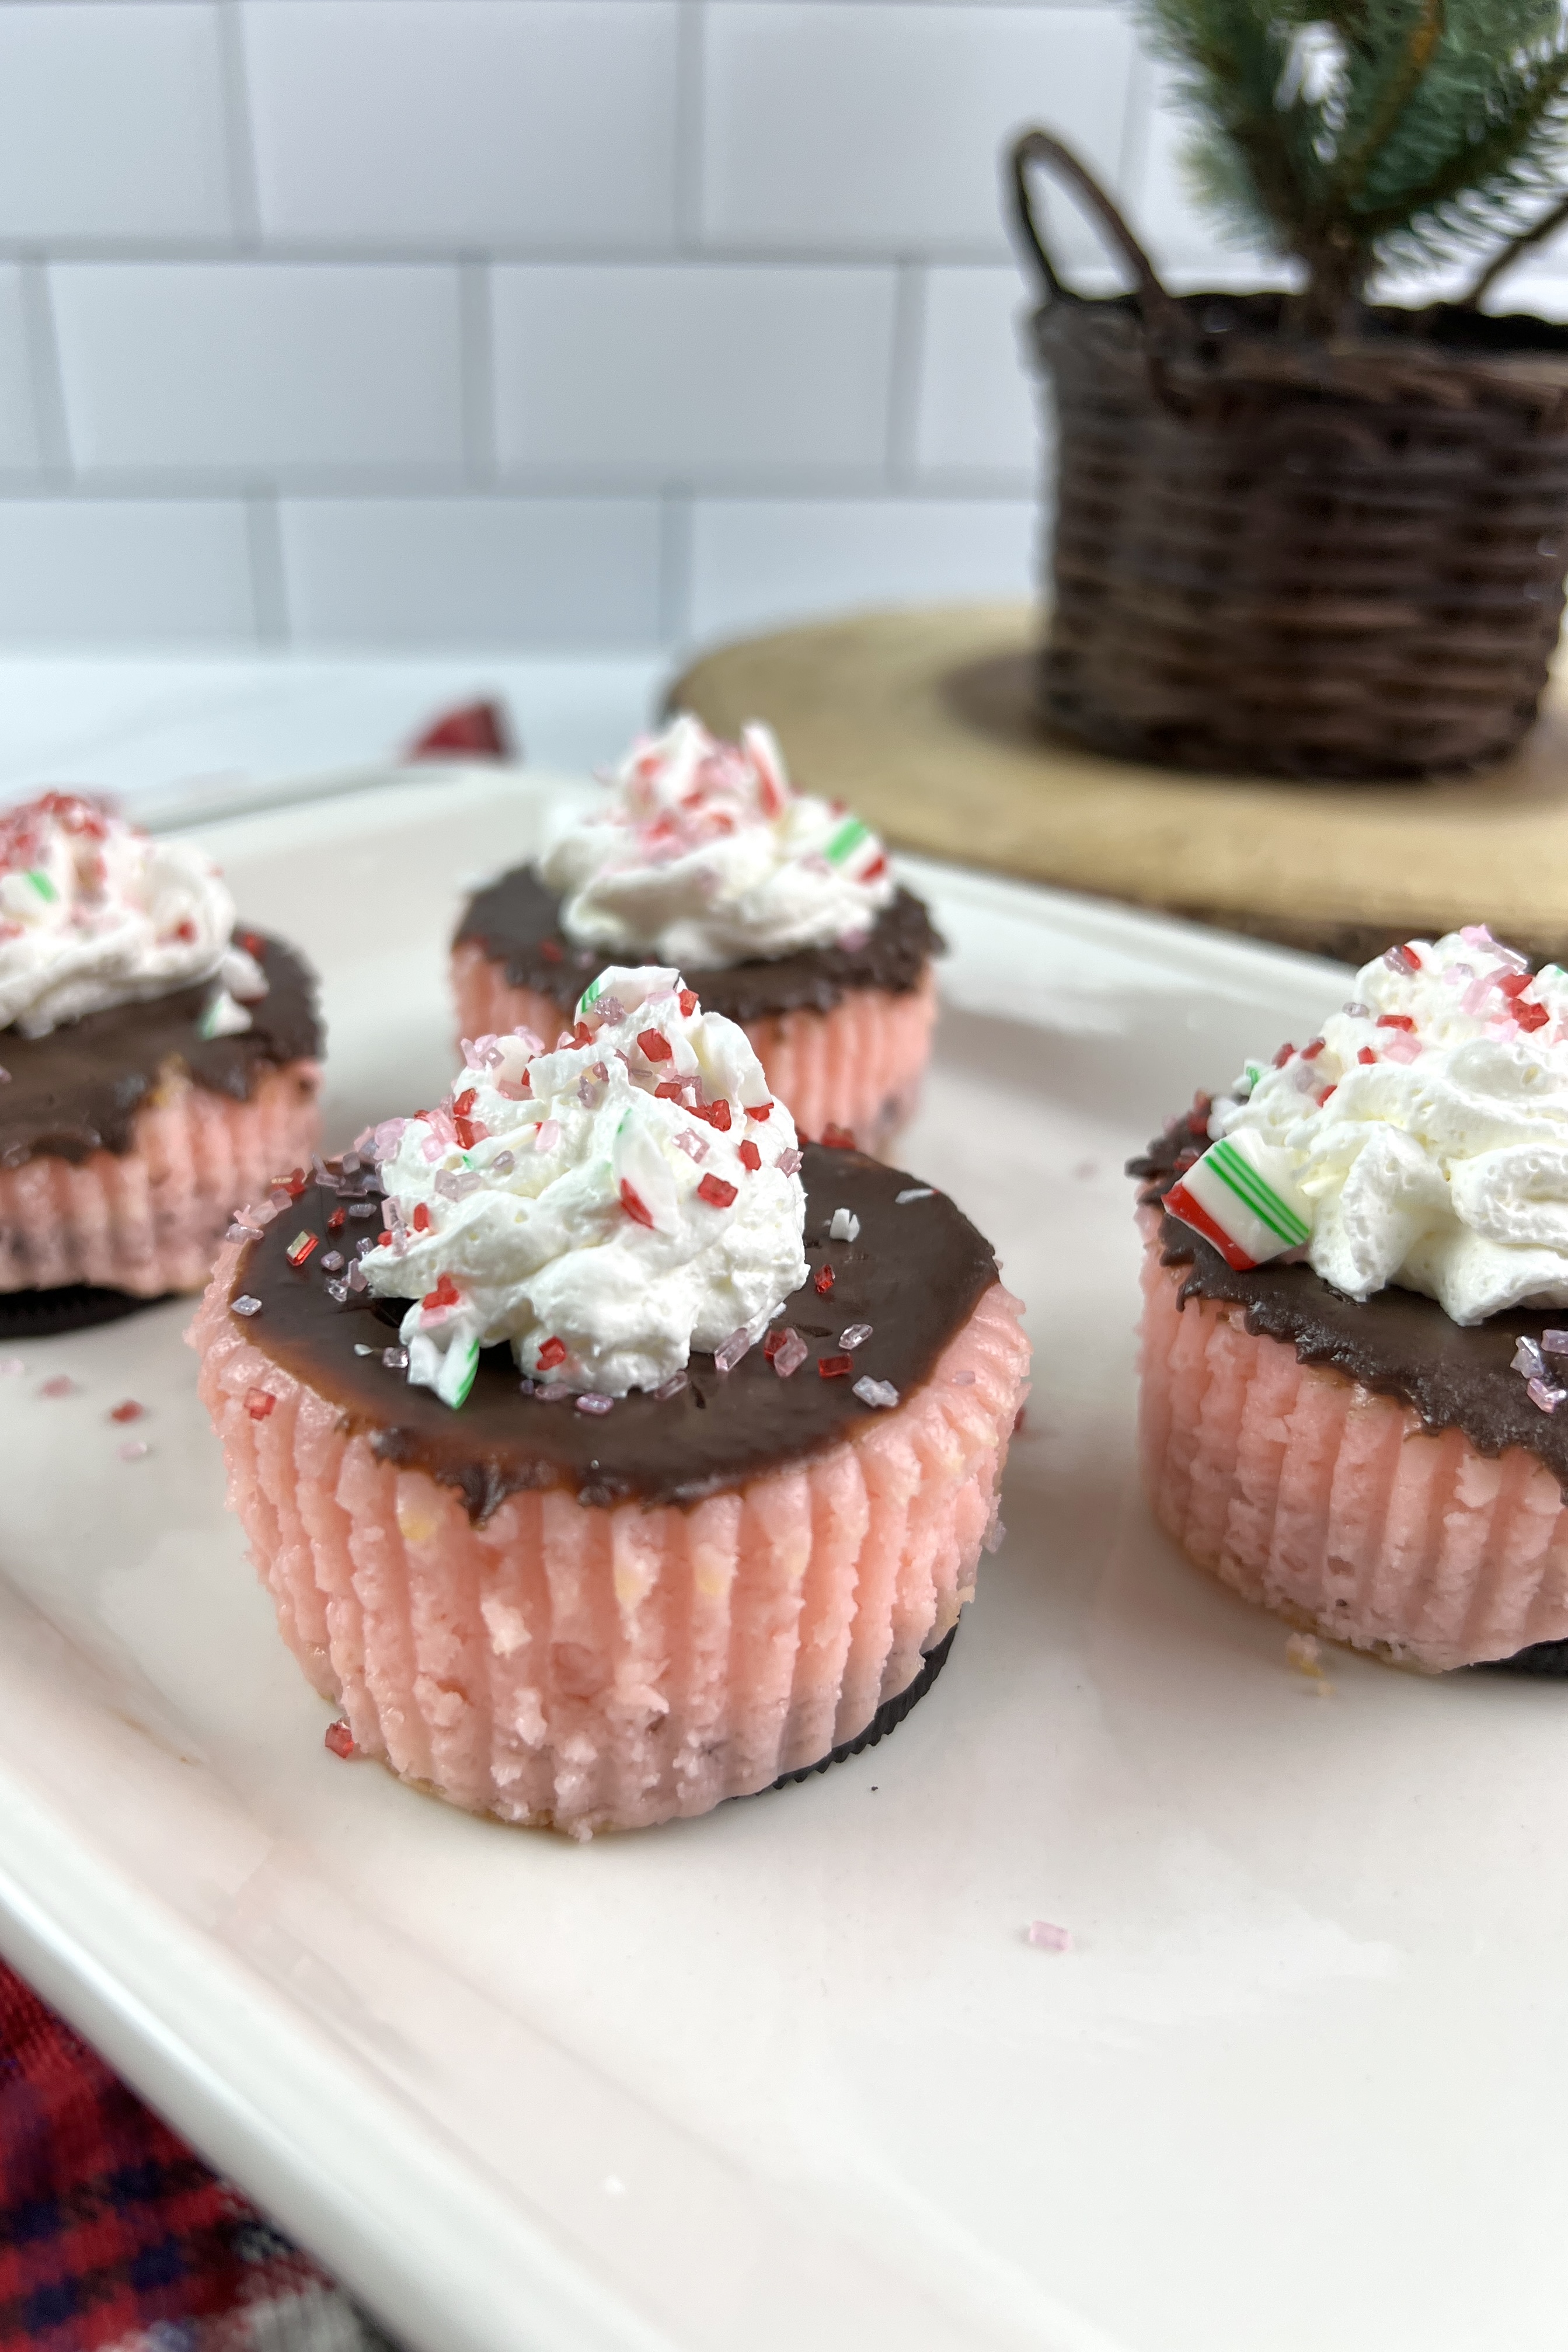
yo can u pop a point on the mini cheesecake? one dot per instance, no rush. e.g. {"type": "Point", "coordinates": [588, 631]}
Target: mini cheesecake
{"type": "Point", "coordinates": [587, 1612]}
{"type": "Point", "coordinates": [128, 1136]}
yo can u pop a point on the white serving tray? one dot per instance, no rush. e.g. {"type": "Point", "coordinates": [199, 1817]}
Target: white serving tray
{"type": "Point", "coordinates": [789, 2079]}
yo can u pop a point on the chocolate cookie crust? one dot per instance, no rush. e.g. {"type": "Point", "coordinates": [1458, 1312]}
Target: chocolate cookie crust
{"type": "Point", "coordinates": [1398, 1343]}
{"type": "Point", "coordinates": [914, 1274]}
{"type": "Point", "coordinates": [517, 922]}
{"type": "Point", "coordinates": [78, 1090]}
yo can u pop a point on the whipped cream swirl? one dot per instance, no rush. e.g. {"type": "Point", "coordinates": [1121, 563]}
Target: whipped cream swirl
{"type": "Point", "coordinates": [1427, 1128]}
{"type": "Point", "coordinates": [606, 1207]}
{"type": "Point", "coordinates": [708, 856]}
{"type": "Point", "coordinates": [94, 914]}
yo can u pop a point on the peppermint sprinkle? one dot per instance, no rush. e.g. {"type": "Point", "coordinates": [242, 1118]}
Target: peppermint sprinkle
{"type": "Point", "coordinates": [1044, 1937]}
{"type": "Point", "coordinates": [913, 1192]}
{"type": "Point", "coordinates": [1543, 1395]}
{"type": "Point", "coordinates": [457, 1183]}
{"type": "Point", "coordinates": [788, 1162]}
{"type": "Point", "coordinates": [844, 1227]}
{"type": "Point", "coordinates": [355, 1278]}
{"type": "Point", "coordinates": [331, 1262]}
{"type": "Point", "coordinates": [791, 1351]}
{"type": "Point", "coordinates": [1528, 1359]}
{"type": "Point", "coordinates": [129, 1411]}
{"type": "Point", "coordinates": [503, 1164]}
{"type": "Point", "coordinates": [245, 1305]}
{"type": "Point", "coordinates": [696, 1147]}
{"type": "Point", "coordinates": [1554, 1343]}
{"type": "Point", "coordinates": [855, 1335]}
{"type": "Point", "coordinates": [396, 1359]}
{"type": "Point", "coordinates": [672, 1387]}
{"type": "Point", "coordinates": [62, 1385]}
{"type": "Point", "coordinates": [338, 1291]}
{"type": "Point", "coordinates": [362, 1208]}
{"type": "Point", "coordinates": [135, 1449]}
{"type": "Point", "coordinates": [882, 1393]}
{"type": "Point", "coordinates": [726, 1358]}
{"type": "Point", "coordinates": [547, 1135]}
{"type": "Point", "coordinates": [300, 1247]}
{"type": "Point", "coordinates": [589, 1402]}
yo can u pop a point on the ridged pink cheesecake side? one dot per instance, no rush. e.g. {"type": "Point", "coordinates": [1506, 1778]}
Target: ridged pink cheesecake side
{"type": "Point", "coordinates": [858, 1067]}
{"type": "Point", "coordinates": [1335, 1507]}
{"type": "Point", "coordinates": [586, 1668]}
{"type": "Point", "coordinates": [152, 1219]}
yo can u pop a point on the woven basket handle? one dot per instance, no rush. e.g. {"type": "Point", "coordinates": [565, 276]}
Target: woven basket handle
{"type": "Point", "coordinates": [1039, 147]}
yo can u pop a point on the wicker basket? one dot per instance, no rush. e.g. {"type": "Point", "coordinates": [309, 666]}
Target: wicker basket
{"type": "Point", "coordinates": [1296, 558]}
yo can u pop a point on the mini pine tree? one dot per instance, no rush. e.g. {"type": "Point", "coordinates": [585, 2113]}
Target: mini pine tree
{"type": "Point", "coordinates": [1352, 136]}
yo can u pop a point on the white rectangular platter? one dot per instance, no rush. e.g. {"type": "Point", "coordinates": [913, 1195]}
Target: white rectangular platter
{"type": "Point", "coordinates": [789, 2079]}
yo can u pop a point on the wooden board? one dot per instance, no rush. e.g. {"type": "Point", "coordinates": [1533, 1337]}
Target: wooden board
{"type": "Point", "coordinates": [923, 721]}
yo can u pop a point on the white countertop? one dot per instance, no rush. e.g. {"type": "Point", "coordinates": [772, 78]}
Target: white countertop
{"type": "Point", "coordinates": [140, 727]}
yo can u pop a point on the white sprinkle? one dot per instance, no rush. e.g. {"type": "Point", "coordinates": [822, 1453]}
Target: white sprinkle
{"type": "Point", "coordinates": [1046, 1938]}
{"type": "Point", "coordinates": [133, 1450]}
{"type": "Point", "coordinates": [588, 1403]}
{"type": "Point", "coordinates": [338, 1291]}
{"type": "Point", "coordinates": [844, 1227]}
{"type": "Point", "coordinates": [396, 1359]}
{"type": "Point", "coordinates": [363, 1348]}
{"type": "Point", "coordinates": [854, 1335]}
{"type": "Point", "coordinates": [332, 1263]}
{"type": "Point", "coordinates": [876, 1392]}
{"type": "Point", "coordinates": [914, 1192]}
{"type": "Point", "coordinates": [246, 1305]}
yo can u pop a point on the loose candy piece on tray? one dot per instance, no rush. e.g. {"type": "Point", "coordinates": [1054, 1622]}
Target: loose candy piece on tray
{"type": "Point", "coordinates": [1241, 1196]}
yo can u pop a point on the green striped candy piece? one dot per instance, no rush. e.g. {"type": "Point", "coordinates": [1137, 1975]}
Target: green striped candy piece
{"type": "Point", "coordinates": [42, 884]}
{"type": "Point", "coordinates": [846, 840]}
{"type": "Point", "coordinates": [1251, 1190]}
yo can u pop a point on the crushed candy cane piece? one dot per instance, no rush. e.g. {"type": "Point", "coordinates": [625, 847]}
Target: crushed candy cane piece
{"type": "Point", "coordinates": [844, 1227]}
{"type": "Point", "coordinates": [749, 1156]}
{"type": "Point", "coordinates": [822, 1281]}
{"type": "Point", "coordinates": [62, 1385]}
{"type": "Point", "coordinates": [363, 1348]}
{"type": "Point", "coordinates": [838, 1138]}
{"type": "Point", "coordinates": [547, 1135]}
{"type": "Point", "coordinates": [259, 1403]}
{"type": "Point", "coordinates": [135, 1449]}
{"type": "Point", "coordinates": [1528, 1360]}
{"type": "Point", "coordinates": [882, 1393]}
{"type": "Point", "coordinates": [1045, 1936]}
{"type": "Point", "coordinates": [1543, 1395]}
{"type": "Point", "coordinates": [300, 1247]}
{"type": "Point", "coordinates": [590, 1402]}
{"type": "Point", "coordinates": [835, 1368]}
{"type": "Point", "coordinates": [396, 1359]}
{"type": "Point", "coordinates": [716, 1191]}
{"type": "Point", "coordinates": [916, 1192]}
{"type": "Point", "coordinates": [551, 1353]}
{"type": "Point", "coordinates": [786, 1352]}
{"type": "Point", "coordinates": [788, 1162]}
{"type": "Point", "coordinates": [1242, 1196]}
{"type": "Point", "coordinates": [1554, 1343]}
{"type": "Point", "coordinates": [726, 1358]}
{"type": "Point", "coordinates": [855, 1335]}
{"type": "Point", "coordinates": [245, 1305]}
{"type": "Point", "coordinates": [11, 1366]}
{"type": "Point", "coordinates": [672, 1387]}
{"type": "Point", "coordinates": [340, 1739]}
{"type": "Point", "coordinates": [128, 1411]}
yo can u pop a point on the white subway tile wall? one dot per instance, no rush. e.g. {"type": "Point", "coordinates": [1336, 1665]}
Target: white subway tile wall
{"type": "Point", "coordinates": [539, 324]}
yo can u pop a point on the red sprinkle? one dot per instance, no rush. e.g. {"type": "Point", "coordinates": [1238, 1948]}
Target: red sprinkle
{"type": "Point", "coordinates": [469, 1132]}
{"type": "Point", "coordinates": [1396, 1021]}
{"type": "Point", "coordinates": [293, 1185]}
{"type": "Point", "coordinates": [749, 1156]}
{"type": "Point", "coordinates": [335, 1222]}
{"type": "Point", "coordinates": [129, 1411]}
{"type": "Point", "coordinates": [688, 1001]}
{"type": "Point", "coordinates": [422, 1218]}
{"type": "Point", "coordinates": [551, 951]}
{"type": "Point", "coordinates": [774, 1341]}
{"type": "Point", "coordinates": [838, 1138]}
{"type": "Point", "coordinates": [340, 1739]}
{"type": "Point", "coordinates": [714, 1190]}
{"type": "Point", "coordinates": [465, 1102]}
{"type": "Point", "coordinates": [835, 1368]}
{"type": "Point", "coordinates": [581, 1035]}
{"type": "Point", "coordinates": [554, 1352]}
{"type": "Point", "coordinates": [1283, 1055]}
{"type": "Point", "coordinates": [1513, 983]}
{"type": "Point", "coordinates": [758, 1111]}
{"type": "Point", "coordinates": [445, 1294]}
{"type": "Point", "coordinates": [656, 1046]}
{"type": "Point", "coordinates": [823, 1282]}
{"type": "Point", "coordinates": [1311, 1053]}
{"type": "Point", "coordinates": [875, 871]}
{"type": "Point", "coordinates": [1531, 1016]}
{"type": "Point", "coordinates": [253, 944]}
{"type": "Point", "coordinates": [1323, 1098]}
{"type": "Point", "coordinates": [300, 1248]}
{"type": "Point", "coordinates": [633, 1204]}
{"type": "Point", "coordinates": [1366, 1054]}
{"type": "Point", "coordinates": [717, 1115]}
{"type": "Point", "coordinates": [258, 1402]}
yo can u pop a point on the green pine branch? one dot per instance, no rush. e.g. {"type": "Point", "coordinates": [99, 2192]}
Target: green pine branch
{"type": "Point", "coordinates": [1348, 136]}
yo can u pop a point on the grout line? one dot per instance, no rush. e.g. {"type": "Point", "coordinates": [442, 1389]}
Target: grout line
{"type": "Point", "coordinates": [268, 583]}
{"type": "Point", "coordinates": [690, 45]}
{"type": "Point", "coordinates": [240, 147]}
{"type": "Point", "coordinates": [336, 252]}
{"type": "Point", "coordinates": [44, 373]}
{"type": "Point", "coordinates": [675, 560]}
{"type": "Point", "coordinates": [905, 386]}
{"type": "Point", "coordinates": [476, 360]}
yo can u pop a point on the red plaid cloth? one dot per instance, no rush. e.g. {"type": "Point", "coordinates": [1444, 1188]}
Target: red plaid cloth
{"type": "Point", "coordinates": [114, 2236]}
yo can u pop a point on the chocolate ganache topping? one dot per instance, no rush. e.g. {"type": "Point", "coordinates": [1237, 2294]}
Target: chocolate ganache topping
{"type": "Point", "coordinates": [1398, 1343]}
{"type": "Point", "coordinates": [517, 922]}
{"type": "Point", "coordinates": [913, 1273]}
{"type": "Point", "coordinates": [78, 1089]}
